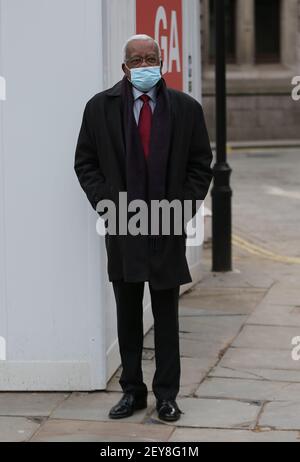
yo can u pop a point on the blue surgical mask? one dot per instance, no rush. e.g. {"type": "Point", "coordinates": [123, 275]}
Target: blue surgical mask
{"type": "Point", "coordinates": [144, 78]}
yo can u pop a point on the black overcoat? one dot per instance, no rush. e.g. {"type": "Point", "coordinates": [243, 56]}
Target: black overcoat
{"type": "Point", "coordinates": [101, 170]}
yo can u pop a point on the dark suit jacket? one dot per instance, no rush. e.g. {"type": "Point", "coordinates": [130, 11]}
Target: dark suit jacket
{"type": "Point", "coordinates": [100, 168]}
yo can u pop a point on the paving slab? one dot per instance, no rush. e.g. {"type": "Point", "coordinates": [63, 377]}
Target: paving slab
{"type": "Point", "coordinates": [82, 431]}
{"type": "Point", "coordinates": [206, 353]}
{"type": "Point", "coordinates": [192, 373]}
{"type": "Point", "coordinates": [94, 406]}
{"type": "Point", "coordinates": [283, 294]}
{"type": "Point", "coordinates": [233, 436]}
{"type": "Point", "coordinates": [247, 358]}
{"type": "Point", "coordinates": [186, 311]}
{"type": "Point", "coordinates": [191, 347]}
{"type": "Point", "coordinates": [248, 278]}
{"type": "Point", "coordinates": [281, 415]}
{"type": "Point", "coordinates": [250, 390]}
{"type": "Point", "coordinates": [266, 337]}
{"type": "Point", "coordinates": [17, 429]}
{"type": "Point", "coordinates": [276, 314]}
{"type": "Point", "coordinates": [214, 301]}
{"type": "Point", "coordinates": [30, 404]}
{"type": "Point", "coordinates": [257, 374]}
{"type": "Point", "coordinates": [211, 328]}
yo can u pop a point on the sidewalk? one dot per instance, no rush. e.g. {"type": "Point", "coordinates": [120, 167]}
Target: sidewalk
{"type": "Point", "coordinates": [239, 381]}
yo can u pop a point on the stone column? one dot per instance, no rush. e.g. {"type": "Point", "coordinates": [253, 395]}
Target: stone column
{"type": "Point", "coordinates": [289, 20]}
{"type": "Point", "coordinates": [245, 32]}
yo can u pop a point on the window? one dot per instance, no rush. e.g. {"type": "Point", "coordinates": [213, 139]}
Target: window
{"type": "Point", "coordinates": [267, 31]}
{"type": "Point", "coordinates": [230, 6]}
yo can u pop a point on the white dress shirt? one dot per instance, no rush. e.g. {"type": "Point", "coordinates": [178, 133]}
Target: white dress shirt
{"type": "Point", "coordinates": [138, 103]}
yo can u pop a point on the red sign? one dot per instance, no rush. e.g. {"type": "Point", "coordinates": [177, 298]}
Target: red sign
{"type": "Point", "coordinates": [162, 20]}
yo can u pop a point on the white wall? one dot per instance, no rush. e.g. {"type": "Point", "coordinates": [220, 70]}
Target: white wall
{"type": "Point", "coordinates": [51, 258]}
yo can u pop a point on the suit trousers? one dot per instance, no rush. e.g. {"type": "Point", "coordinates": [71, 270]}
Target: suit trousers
{"type": "Point", "coordinates": [165, 305]}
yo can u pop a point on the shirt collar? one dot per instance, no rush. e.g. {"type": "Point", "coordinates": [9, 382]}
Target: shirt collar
{"type": "Point", "coordinates": [137, 93]}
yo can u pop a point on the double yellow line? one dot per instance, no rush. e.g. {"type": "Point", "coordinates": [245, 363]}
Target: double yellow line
{"type": "Point", "coordinates": [256, 250]}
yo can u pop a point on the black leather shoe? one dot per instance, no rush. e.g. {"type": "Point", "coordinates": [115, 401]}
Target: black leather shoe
{"type": "Point", "coordinates": [168, 410]}
{"type": "Point", "coordinates": [126, 406]}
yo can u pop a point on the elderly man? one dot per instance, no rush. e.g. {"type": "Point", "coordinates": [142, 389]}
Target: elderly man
{"type": "Point", "coordinates": [150, 141]}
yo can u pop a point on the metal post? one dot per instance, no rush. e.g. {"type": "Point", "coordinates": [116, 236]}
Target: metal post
{"type": "Point", "coordinates": [221, 191]}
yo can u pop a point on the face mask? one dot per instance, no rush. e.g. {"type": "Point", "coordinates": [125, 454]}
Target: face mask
{"type": "Point", "coordinates": [144, 78]}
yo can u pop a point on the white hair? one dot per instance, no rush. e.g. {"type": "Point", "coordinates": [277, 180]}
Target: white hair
{"type": "Point", "coordinates": [140, 37]}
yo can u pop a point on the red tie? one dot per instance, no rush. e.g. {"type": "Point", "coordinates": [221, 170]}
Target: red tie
{"type": "Point", "coordinates": [145, 124]}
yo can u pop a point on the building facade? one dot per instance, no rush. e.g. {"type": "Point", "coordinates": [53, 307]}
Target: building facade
{"type": "Point", "coordinates": [263, 56]}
